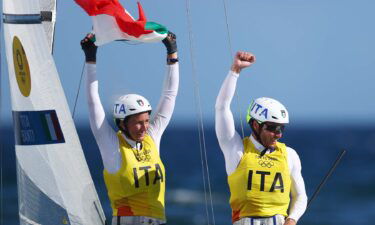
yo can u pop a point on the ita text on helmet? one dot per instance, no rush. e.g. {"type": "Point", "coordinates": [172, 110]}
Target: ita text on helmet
{"type": "Point", "coordinates": [130, 104]}
{"type": "Point", "coordinates": [267, 110]}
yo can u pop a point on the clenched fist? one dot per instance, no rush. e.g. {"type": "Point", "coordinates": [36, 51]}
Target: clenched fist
{"type": "Point", "coordinates": [242, 60]}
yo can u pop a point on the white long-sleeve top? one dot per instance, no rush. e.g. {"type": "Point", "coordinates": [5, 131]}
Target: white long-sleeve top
{"type": "Point", "coordinates": [232, 146]}
{"type": "Point", "coordinates": [106, 136]}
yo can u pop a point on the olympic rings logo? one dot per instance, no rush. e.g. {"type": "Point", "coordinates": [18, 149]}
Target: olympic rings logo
{"type": "Point", "coordinates": [266, 163]}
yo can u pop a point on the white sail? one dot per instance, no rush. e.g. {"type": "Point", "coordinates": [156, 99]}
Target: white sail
{"type": "Point", "coordinates": [54, 183]}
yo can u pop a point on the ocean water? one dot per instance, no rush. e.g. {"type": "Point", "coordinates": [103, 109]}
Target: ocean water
{"type": "Point", "coordinates": [347, 198]}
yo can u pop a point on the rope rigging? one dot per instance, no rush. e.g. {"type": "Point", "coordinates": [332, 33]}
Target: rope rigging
{"type": "Point", "coordinates": [239, 110]}
{"type": "Point", "coordinates": [82, 73]}
{"type": "Point", "coordinates": [1, 141]}
{"type": "Point", "coordinates": [79, 88]}
{"type": "Point", "coordinates": [200, 125]}
{"type": "Point", "coordinates": [202, 143]}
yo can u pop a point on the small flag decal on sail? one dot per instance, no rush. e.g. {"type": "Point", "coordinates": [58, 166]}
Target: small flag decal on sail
{"type": "Point", "coordinates": [51, 126]}
{"type": "Point", "coordinates": [37, 128]}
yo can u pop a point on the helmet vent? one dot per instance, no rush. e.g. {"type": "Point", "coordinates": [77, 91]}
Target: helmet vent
{"type": "Point", "coordinates": [132, 109]}
{"type": "Point", "coordinates": [274, 117]}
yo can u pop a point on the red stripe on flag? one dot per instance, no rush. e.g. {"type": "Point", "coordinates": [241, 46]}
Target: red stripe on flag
{"type": "Point", "coordinates": [115, 9]}
{"type": "Point", "coordinates": [56, 125]}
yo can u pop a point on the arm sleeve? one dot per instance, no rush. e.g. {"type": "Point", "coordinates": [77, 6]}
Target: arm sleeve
{"type": "Point", "coordinates": [229, 140]}
{"type": "Point", "coordinates": [298, 202]}
{"type": "Point", "coordinates": [105, 136]}
{"type": "Point", "coordinates": [166, 104]}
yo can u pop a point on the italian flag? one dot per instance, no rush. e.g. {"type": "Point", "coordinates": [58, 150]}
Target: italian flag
{"type": "Point", "coordinates": [51, 126]}
{"type": "Point", "coordinates": [112, 22]}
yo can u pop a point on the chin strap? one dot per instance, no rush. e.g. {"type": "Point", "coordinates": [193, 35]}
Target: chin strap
{"type": "Point", "coordinates": [257, 137]}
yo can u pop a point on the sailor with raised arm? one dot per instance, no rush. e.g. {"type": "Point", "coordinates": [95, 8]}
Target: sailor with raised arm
{"type": "Point", "coordinates": [133, 171]}
{"type": "Point", "coordinates": [264, 175]}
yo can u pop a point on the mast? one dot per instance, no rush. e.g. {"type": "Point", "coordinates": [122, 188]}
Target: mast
{"type": "Point", "coordinates": [1, 125]}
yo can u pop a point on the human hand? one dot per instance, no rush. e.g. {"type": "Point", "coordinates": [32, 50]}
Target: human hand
{"type": "Point", "coordinates": [242, 60]}
{"type": "Point", "coordinates": [290, 221]}
{"type": "Point", "coordinates": [89, 48]}
{"type": "Point", "coordinates": [170, 43]}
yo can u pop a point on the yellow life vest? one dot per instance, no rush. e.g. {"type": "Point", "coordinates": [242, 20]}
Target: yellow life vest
{"type": "Point", "coordinates": [138, 188]}
{"type": "Point", "coordinates": [260, 186]}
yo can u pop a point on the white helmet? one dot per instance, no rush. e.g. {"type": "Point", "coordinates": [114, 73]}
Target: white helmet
{"type": "Point", "coordinates": [130, 104]}
{"type": "Point", "coordinates": [267, 110]}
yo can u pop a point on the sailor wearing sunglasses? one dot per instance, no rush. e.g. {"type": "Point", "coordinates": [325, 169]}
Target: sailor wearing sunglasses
{"type": "Point", "coordinates": [264, 175]}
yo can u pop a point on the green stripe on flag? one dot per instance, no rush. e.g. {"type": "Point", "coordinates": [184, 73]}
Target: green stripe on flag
{"type": "Point", "coordinates": [45, 126]}
{"type": "Point", "coordinates": [51, 127]}
{"type": "Point", "coordinates": [156, 27]}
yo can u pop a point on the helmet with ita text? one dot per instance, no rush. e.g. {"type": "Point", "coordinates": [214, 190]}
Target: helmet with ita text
{"type": "Point", "coordinates": [130, 104]}
{"type": "Point", "coordinates": [267, 110]}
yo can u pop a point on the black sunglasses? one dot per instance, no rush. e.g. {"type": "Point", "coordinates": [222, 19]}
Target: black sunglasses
{"type": "Point", "coordinates": [275, 128]}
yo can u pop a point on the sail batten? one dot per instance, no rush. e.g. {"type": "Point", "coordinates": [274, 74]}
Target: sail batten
{"type": "Point", "coordinates": [22, 18]}
{"type": "Point", "coordinates": [28, 18]}
{"type": "Point", "coordinates": [54, 183]}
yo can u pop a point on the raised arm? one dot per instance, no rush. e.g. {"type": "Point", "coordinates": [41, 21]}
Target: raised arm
{"type": "Point", "coordinates": [229, 140]}
{"type": "Point", "coordinates": [164, 110]}
{"type": "Point", "coordinates": [105, 136]}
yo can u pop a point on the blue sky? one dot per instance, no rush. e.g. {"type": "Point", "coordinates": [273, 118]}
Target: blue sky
{"type": "Point", "coordinates": [316, 57]}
